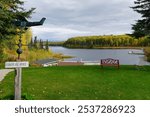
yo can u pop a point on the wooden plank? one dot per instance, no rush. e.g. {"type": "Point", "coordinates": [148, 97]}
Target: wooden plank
{"type": "Point", "coordinates": [18, 77]}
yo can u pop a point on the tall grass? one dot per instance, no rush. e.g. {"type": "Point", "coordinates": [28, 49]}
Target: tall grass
{"type": "Point", "coordinates": [30, 55]}
{"type": "Point", "coordinates": [147, 53]}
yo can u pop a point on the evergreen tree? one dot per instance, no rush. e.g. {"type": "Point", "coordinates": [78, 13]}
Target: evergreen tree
{"type": "Point", "coordinates": [41, 44]}
{"type": "Point", "coordinates": [10, 10]}
{"type": "Point", "coordinates": [35, 42]}
{"type": "Point", "coordinates": [142, 26]}
{"type": "Point", "coordinates": [47, 46]}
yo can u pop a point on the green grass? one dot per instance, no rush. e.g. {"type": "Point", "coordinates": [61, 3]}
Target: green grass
{"type": "Point", "coordinates": [81, 82]}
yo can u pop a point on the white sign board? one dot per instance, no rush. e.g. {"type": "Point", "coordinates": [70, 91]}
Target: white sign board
{"type": "Point", "coordinates": [16, 64]}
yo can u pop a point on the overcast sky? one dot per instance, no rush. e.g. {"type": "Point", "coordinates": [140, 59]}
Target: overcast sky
{"type": "Point", "coordinates": [69, 18]}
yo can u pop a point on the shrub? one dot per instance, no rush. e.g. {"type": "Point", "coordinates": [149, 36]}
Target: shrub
{"type": "Point", "coordinates": [147, 53]}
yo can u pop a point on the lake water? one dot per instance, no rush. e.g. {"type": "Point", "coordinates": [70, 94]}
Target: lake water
{"type": "Point", "coordinates": [97, 54]}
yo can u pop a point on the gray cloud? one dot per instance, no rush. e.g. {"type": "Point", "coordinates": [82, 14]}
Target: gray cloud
{"type": "Point", "coordinates": [68, 18]}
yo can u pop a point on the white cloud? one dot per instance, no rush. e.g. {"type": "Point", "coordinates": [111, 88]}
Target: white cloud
{"type": "Point", "coordinates": [41, 30]}
{"type": "Point", "coordinates": [58, 33]}
{"type": "Point", "coordinates": [67, 18]}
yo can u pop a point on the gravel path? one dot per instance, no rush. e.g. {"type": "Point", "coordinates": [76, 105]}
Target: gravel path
{"type": "Point", "coordinates": [4, 72]}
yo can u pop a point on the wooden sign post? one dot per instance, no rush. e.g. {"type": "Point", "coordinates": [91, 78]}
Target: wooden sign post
{"type": "Point", "coordinates": [23, 23]}
{"type": "Point", "coordinates": [17, 84]}
{"type": "Point", "coordinates": [18, 72]}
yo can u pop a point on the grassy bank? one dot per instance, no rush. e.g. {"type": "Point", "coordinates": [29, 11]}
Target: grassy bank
{"type": "Point", "coordinates": [81, 82]}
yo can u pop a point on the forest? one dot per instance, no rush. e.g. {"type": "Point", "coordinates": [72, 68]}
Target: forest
{"type": "Point", "coordinates": [107, 41]}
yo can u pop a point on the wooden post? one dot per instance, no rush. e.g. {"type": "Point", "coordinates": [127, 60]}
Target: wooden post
{"type": "Point", "coordinates": [18, 84]}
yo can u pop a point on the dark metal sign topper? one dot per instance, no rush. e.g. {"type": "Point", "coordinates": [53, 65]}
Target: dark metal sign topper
{"type": "Point", "coordinates": [23, 22]}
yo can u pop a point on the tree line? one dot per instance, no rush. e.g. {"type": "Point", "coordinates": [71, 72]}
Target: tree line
{"type": "Point", "coordinates": [56, 43]}
{"type": "Point", "coordinates": [38, 44]}
{"type": "Point", "coordinates": [106, 41]}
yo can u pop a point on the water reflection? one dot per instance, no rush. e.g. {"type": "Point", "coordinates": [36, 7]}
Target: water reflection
{"type": "Point", "coordinates": [97, 54]}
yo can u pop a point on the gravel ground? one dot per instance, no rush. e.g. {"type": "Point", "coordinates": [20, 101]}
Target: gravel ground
{"type": "Point", "coordinates": [4, 72]}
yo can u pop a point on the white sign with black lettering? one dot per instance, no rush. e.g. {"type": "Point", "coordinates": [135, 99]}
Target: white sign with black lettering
{"type": "Point", "coordinates": [16, 64]}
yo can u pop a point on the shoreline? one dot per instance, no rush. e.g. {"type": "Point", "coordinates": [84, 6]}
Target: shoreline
{"type": "Point", "coordinates": [117, 48]}
{"type": "Point", "coordinates": [102, 47]}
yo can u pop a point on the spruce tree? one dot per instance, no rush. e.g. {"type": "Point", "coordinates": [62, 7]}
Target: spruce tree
{"type": "Point", "coordinates": [11, 10]}
{"type": "Point", "coordinates": [142, 26]}
{"type": "Point", "coordinates": [35, 42]}
{"type": "Point", "coordinates": [41, 44]}
{"type": "Point", "coordinates": [47, 46]}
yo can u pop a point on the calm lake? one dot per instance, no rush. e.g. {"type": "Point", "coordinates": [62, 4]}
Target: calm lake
{"type": "Point", "coordinates": [96, 54]}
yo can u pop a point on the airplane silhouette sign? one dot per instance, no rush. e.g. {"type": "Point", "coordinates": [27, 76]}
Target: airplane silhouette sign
{"type": "Point", "coordinates": [23, 22]}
